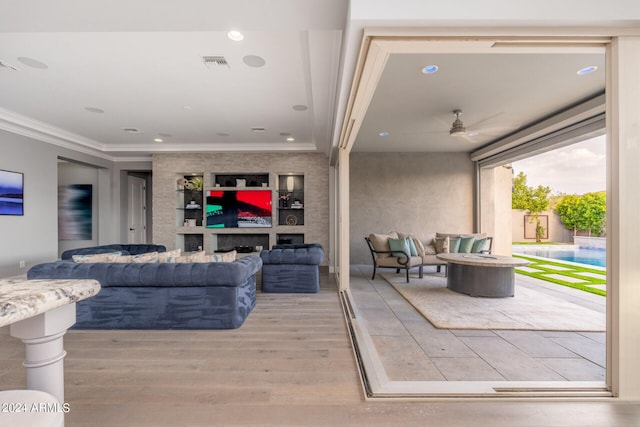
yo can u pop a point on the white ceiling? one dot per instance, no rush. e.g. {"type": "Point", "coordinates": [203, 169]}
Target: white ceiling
{"type": "Point", "coordinates": [498, 95]}
{"type": "Point", "coordinates": [141, 62]}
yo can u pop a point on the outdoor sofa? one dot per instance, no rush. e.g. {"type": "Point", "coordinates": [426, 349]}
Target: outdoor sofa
{"type": "Point", "coordinates": [404, 251]}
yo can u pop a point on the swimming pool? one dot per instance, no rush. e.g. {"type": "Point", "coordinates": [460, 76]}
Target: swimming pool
{"type": "Point", "coordinates": [589, 256]}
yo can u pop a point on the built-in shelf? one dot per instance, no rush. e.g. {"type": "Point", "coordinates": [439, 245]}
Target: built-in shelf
{"type": "Point", "coordinates": [291, 200]}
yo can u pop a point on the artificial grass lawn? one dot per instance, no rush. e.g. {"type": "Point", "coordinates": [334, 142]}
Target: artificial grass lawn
{"type": "Point", "coordinates": [571, 271]}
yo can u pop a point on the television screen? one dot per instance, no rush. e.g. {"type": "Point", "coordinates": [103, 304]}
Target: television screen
{"type": "Point", "coordinates": [11, 193]}
{"type": "Point", "coordinates": [238, 208]}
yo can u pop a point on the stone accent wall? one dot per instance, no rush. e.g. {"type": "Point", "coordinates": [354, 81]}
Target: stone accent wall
{"type": "Point", "coordinates": [314, 167]}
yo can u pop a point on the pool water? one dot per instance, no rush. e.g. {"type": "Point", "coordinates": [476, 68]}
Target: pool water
{"type": "Point", "coordinates": [589, 256]}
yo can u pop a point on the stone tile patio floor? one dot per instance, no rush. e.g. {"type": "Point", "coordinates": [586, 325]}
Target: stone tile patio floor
{"type": "Point", "coordinates": [412, 349]}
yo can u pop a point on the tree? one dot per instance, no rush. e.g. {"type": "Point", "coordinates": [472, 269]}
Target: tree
{"type": "Point", "coordinates": [533, 200]}
{"type": "Point", "coordinates": [586, 212]}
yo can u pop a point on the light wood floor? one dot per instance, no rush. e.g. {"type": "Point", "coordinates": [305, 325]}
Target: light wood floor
{"type": "Point", "coordinates": [290, 364]}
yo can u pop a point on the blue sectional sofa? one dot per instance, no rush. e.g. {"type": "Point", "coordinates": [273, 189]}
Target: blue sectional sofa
{"type": "Point", "coordinates": [292, 268]}
{"type": "Point", "coordinates": [200, 295]}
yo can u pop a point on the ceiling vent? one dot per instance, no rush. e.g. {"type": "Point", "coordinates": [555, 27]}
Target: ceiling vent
{"type": "Point", "coordinates": [258, 130]}
{"type": "Point", "coordinates": [215, 61]}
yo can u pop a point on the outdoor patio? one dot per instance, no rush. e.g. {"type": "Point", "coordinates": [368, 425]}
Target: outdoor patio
{"type": "Point", "coordinates": [411, 349]}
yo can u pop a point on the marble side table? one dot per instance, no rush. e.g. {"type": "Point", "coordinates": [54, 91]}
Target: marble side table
{"type": "Point", "coordinates": [39, 312]}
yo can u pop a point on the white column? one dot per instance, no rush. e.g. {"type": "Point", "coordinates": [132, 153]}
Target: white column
{"type": "Point", "coordinates": [623, 227]}
{"type": "Point", "coordinates": [44, 361]}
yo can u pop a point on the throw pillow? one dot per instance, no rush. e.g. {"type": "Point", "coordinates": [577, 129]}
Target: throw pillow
{"type": "Point", "coordinates": [442, 244]}
{"type": "Point", "coordinates": [241, 182]}
{"type": "Point", "coordinates": [144, 258]}
{"type": "Point", "coordinates": [223, 257]}
{"type": "Point", "coordinates": [399, 245]}
{"type": "Point", "coordinates": [122, 259]}
{"type": "Point", "coordinates": [419, 247]}
{"type": "Point", "coordinates": [193, 257]}
{"type": "Point", "coordinates": [479, 245]}
{"type": "Point", "coordinates": [466, 244]}
{"type": "Point", "coordinates": [454, 245]}
{"type": "Point", "coordinates": [413, 251]}
{"type": "Point", "coordinates": [430, 250]}
{"type": "Point", "coordinates": [169, 256]}
{"type": "Point", "coordinates": [90, 258]}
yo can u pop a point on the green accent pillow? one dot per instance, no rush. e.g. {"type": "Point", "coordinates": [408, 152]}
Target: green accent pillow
{"type": "Point", "coordinates": [466, 244]}
{"type": "Point", "coordinates": [454, 245]}
{"type": "Point", "coordinates": [479, 245]}
{"type": "Point", "coordinates": [413, 251]}
{"type": "Point", "coordinates": [399, 245]}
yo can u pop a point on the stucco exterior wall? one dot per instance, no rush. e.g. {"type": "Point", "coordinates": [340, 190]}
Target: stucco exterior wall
{"type": "Point", "coordinates": [413, 192]}
{"type": "Point", "coordinates": [556, 231]}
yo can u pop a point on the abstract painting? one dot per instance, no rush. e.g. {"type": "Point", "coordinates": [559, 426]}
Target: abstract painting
{"type": "Point", "coordinates": [75, 212]}
{"type": "Point", "coordinates": [11, 193]}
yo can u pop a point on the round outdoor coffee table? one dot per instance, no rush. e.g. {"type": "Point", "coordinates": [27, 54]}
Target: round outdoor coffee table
{"type": "Point", "coordinates": [481, 275]}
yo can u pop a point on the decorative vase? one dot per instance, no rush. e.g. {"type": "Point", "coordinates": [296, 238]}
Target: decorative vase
{"type": "Point", "coordinates": [285, 203]}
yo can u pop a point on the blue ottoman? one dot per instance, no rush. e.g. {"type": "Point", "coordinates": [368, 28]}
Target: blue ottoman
{"type": "Point", "coordinates": [292, 268]}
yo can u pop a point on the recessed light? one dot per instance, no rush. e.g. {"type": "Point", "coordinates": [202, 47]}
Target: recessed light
{"type": "Point", "coordinates": [235, 35]}
{"type": "Point", "coordinates": [384, 134]}
{"type": "Point", "coordinates": [33, 63]}
{"type": "Point", "coordinates": [157, 139]}
{"type": "Point", "coordinates": [291, 139]}
{"type": "Point", "coordinates": [587, 70]}
{"type": "Point", "coordinates": [430, 69]}
{"type": "Point", "coordinates": [254, 61]}
{"type": "Point", "coordinates": [94, 110]}
{"type": "Point", "coordinates": [300, 108]}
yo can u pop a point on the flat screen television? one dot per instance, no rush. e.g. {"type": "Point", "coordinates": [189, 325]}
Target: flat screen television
{"type": "Point", "coordinates": [11, 193]}
{"type": "Point", "coordinates": [238, 208]}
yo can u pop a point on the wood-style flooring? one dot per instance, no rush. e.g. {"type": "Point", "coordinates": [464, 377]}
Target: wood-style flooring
{"type": "Point", "coordinates": [290, 364]}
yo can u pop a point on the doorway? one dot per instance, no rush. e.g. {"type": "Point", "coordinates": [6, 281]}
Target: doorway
{"type": "Point", "coordinates": [136, 210]}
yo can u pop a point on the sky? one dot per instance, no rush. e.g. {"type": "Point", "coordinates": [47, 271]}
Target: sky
{"type": "Point", "coordinates": [576, 169]}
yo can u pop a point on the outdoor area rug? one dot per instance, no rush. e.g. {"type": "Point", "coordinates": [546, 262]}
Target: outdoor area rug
{"type": "Point", "coordinates": [527, 310]}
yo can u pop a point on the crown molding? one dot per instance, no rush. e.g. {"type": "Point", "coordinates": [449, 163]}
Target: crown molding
{"type": "Point", "coordinates": [43, 132]}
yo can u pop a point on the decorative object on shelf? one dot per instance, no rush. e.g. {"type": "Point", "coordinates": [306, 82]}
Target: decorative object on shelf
{"type": "Point", "coordinates": [291, 220]}
{"type": "Point", "coordinates": [191, 222]}
{"type": "Point", "coordinates": [241, 182]}
{"type": "Point", "coordinates": [285, 200]}
{"type": "Point", "coordinates": [290, 184]}
{"type": "Point", "coordinates": [197, 183]}
{"type": "Point", "coordinates": [181, 183]}
{"type": "Point", "coordinates": [193, 205]}
{"type": "Point", "coordinates": [297, 204]}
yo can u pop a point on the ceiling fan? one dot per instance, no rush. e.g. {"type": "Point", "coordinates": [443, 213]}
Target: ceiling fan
{"type": "Point", "coordinates": [479, 132]}
{"type": "Point", "coordinates": [457, 128]}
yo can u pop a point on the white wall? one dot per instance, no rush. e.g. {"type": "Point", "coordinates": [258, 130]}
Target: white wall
{"type": "Point", "coordinates": [33, 238]}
